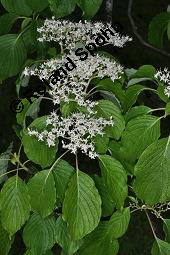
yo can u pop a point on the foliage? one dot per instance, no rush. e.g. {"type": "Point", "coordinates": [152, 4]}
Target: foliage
{"type": "Point", "coordinates": [158, 26]}
{"type": "Point", "coordinates": [50, 198]}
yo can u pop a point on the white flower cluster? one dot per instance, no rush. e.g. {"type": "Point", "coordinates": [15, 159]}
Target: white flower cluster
{"type": "Point", "coordinates": [73, 85]}
{"type": "Point", "coordinates": [165, 77]}
{"type": "Point", "coordinates": [77, 132]}
{"type": "Point", "coordinates": [69, 77]}
{"type": "Point", "coordinates": [98, 66]}
{"type": "Point", "coordinates": [68, 33]}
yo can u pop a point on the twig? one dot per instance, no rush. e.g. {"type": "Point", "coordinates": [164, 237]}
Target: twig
{"type": "Point", "coordinates": [58, 159]}
{"type": "Point", "coordinates": [150, 223]}
{"type": "Point", "coordinates": [134, 27]}
{"type": "Point", "coordinates": [11, 171]}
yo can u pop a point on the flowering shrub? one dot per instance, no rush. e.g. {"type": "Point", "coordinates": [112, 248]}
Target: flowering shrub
{"type": "Point", "coordinates": [95, 114]}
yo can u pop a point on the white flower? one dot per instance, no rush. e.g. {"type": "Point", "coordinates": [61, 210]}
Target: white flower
{"type": "Point", "coordinates": [73, 86]}
{"type": "Point", "coordinates": [164, 76]}
{"type": "Point", "coordinates": [77, 132]}
{"type": "Point", "coordinates": [26, 71]}
{"type": "Point", "coordinates": [68, 33]}
{"type": "Point", "coordinates": [167, 91]}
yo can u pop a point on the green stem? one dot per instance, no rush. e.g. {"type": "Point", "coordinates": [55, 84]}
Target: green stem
{"type": "Point", "coordinates": [48, 98]}
{"type": "Point", "coordinates": [77, 165]}
{"type": "Point", "coordinates": [59, 159]}
{"type": "Point", "coordinates": [62, 49]}
{"type": "Point", "coordinates": [154, 90]}
{"type": "Point", "coordinates": [89, 95]}
{"type": "Point", "coordinates": [55, 164]}
{"type": "Point", "coordinates": [94, 88]}
{"type": "Point", "coordinates": [23, 166]}
{"type": "Point", "coordinates": [157, 109]}
{"type": "Point", "coordinates": [26, 162]}
{"type": "Point", "coordinates": [11, 171]}
{"type": "Point", "coordinates": [93, 77]}
{"type": "Point", "coordinates": [20, 34]}
{"type": "Point", "coordinates": [150, 223]}
{"type": "Point", "coordinates": [22, 17]}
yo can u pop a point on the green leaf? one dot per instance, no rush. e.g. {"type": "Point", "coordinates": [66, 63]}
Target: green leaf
{"type": "Point", "coordinates": [6, 22]}
{"type": "Point", "coordinates": [137, 111]}
{"type": "Point", "coordinates": [63, 238]}
{"type": "Point", "coordinates": [30, 110]}
{"type": "Point", "coordinates": [62, 172]}
{"type": "Point", "coordinates": [145, 71]}
{"type": "Point", "coordinates": [62, 8]}
{"type": "Point", "coordinates": [157, 29]}
{"type": "Point", "coordinates": [101, 144]}
{"type": "Point", "coordinates": [89, 7]}
{"type": "Point", "coordinates": [37, 5]}
{"type": "Point", "coordinates": [152, 173]}
{"type": "Point", "coordinates": [41, 188]}
{"type": "Point", "coordinates": [5, 241]}
{"type": "Point", "coordinates": [111, 97]}
{"type": "Point", "coordinates": [68, 108]}
{"type": "Point", "coordinates": [21, 116]}
{"type": "Point", "coordinates": [114, 87]}
{"type": "Point", "coordinates": [49, 253]}
{"type": "Point", "coordinates": [52, 52]}
{"type": "Point", "coordinates": [13, 55]}
{"type": "Point", "coordinates": [161, 93]}
{"type": "Point", "coordinates": [107, 109]}
{"type": "Point", "coordinates": [160, 248]}
{"type": "Point", "coordinates": [168, 30]}
{"type": "Point", "coordinates": [82, 206]}
{"type": "Point", "coordinates": [107, 204]}
{"type": "Point", "coordinates": [15, 206]}
{"type": "Point", "coordinates": [119, 222]}
{"type": "Point", "coordinates": [4, 160]}
{"type": "Point", "coordinates": [132, 94]}
{"type": "Point", "coordinates": [30, 37]}
{"type": "Point", "coordinates": [18, 6]}
{"type": "Point", "coordinates": [140, 132]}
{"type": "Point", "coordinates": [25, 23]}
{"type": "Point", "coordinates": [134, 81]}
{"type": "Point", "coordinates": [38, 152]}
{"type": "Point", "coordinates": [30, 253]}
{"type": "Point", "coordinates": [39, 234]}
{"type": "Point", "coordinates": [33, 109]}
{"type": "Point", "coordinates": [22, 81]}
{"type": "Point", "coordinates": [130, 72]}
{"type": "Point", "coordinates": [167, 109]}
{"type": "Point", "coordinates": [166, 228]}
{"type": "Point", "coordinates": [115, 179]}
{"type": "Point", "coordinates": [115, 150]}
{"type": "Point", "coordinates": [100, 241]}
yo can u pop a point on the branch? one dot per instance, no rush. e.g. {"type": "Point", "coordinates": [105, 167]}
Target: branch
{"type": "Point", "coordinates": [134, 28]}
